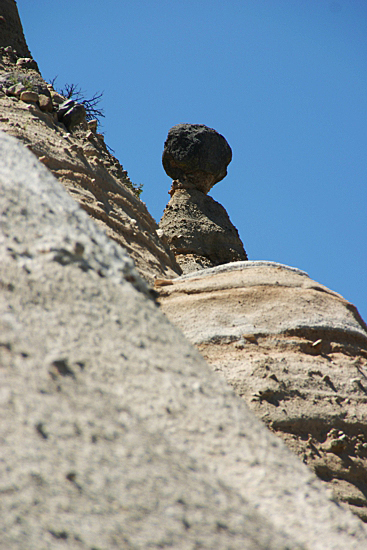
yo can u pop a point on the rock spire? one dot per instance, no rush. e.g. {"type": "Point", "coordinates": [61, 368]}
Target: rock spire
{"type": "Point", "coordinates": [196, 227]}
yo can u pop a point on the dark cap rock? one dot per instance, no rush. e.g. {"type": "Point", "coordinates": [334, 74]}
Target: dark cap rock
{"type": "Point", "coordinates": [196, 156]}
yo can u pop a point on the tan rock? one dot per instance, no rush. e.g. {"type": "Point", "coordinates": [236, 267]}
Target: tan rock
{"type": "Point", "coordinates": [27, 63]}
{"type": "Point", "coordinates": [92, 124]}
{"type": "Point", "coordinates": [93, 181]}
{"type": "Point", "coordinates": [45, 103]}
{"type": "Point", "coordinates": [57, 98]}
{"type": "Point", "coordinates": [90, 151]}
{"type": "Point", "coordinates": [295, 351]}
{"type": "Point", "coordinates": [29, 97]}
{"type": "Point", "coordinates": [199, 231]}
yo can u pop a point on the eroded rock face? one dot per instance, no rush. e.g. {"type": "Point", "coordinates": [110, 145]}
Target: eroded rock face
{"type": "Point", "coordinates": [114, 431]}
{"type": "Point", "coordinates": [199, 231]}
{"type": "Point", "coordinates": [196, 227]}
{"type": "Point", "coordinates": [295, 351]}
{"type": "Point", "coordinates": [11, 31]}
{"type": "Point", "coordinates": [80, 160]}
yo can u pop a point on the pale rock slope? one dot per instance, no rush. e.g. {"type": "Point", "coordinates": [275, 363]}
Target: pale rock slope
{"type": "Point", "coordinates": [295, 351]}
{"type": "Point", "coordinates": [114, 432]}
{"type": "Point", "coordinates": [80, 160]}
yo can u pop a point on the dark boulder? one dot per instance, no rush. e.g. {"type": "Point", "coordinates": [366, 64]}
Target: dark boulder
{"type": "Point", "coordinates": [197, 155]}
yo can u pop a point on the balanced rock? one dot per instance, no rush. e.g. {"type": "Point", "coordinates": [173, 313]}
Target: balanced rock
{"type": "Point", "coordinates": [196, 154]}
{"type": "Point", "coordinates": [196, 227]}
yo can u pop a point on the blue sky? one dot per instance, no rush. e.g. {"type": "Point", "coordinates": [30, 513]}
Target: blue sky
{"type": "Point", "coordinates": [285, 81]}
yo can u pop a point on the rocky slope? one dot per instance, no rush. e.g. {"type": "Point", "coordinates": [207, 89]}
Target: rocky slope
{"type": "Point", "coordinates": [295, 351]}
{"type": "Point", "coordinates": [115, 432]}
{"type": "Point", "coordinates": [80, 160]}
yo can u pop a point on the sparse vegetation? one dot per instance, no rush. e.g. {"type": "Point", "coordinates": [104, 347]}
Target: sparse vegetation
{"type": "Point", "coordinates": [73, 91]}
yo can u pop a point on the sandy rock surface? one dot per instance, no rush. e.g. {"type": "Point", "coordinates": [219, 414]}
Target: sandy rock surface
{"type": "Point", "coordinates": [199, 231]}
{"type": "Point", "coordinates": [115, 433]}
{"type": "Point", "coordinates": [295, 351]}
{"type": "Point", "coordinates": [82, 163]}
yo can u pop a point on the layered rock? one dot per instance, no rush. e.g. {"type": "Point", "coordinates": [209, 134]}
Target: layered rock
{"type": "Point", "coordinates": [57, 132]}
{"type": "Point", "coordinates": [295, 351]}
{"type": "Point", "coordinates": [115, 433]}
{"type": "Point", "coordinates": [196, 227]}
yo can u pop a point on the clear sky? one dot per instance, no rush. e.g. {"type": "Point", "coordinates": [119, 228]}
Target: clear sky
{"type": "Point", "coordinates": [285, 81]}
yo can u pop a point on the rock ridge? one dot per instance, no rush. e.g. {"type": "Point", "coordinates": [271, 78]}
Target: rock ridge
{"type": "Point", "coordinates": [79, 158]}
{"type": "Point", "coordinates": [295, 351]}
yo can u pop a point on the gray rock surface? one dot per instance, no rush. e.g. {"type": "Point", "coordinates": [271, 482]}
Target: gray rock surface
{"type": "Point", "coordinates": [196, 155]}
{"type": "Point", "coordinates": [199, 231]}
{"type": "Point", "coordinates": [114, 432]}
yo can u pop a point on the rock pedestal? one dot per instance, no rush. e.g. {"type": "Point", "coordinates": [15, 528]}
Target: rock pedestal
{"type": "Point", "coordinates": [199, 231]}
{"type": "Point", "coordinates": [196, 227]}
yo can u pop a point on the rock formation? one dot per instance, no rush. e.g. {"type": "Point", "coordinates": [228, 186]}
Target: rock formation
{"type": "Point", "coordinates": [196, 227]}
{"type": "Point", "coordinates": [295, 351]}
{"type": "Point", "coordinates": [47, 123]}
{"type": "Point", "coordinates": [196, 155]}
{"type": "Point", "coordinates": [11, 32]}
{"type": "Point", "coordinates": [115, 433]}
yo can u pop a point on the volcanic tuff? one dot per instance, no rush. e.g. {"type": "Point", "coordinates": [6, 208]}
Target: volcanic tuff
{"type": "Point", "coordinates": [295, 351]}
{"type": "Point", "coordinates": [196, 227]}
{"type": "Point", "coordinates": [115, 432]}
{"type": "Point", "coordinates": [80, 160]}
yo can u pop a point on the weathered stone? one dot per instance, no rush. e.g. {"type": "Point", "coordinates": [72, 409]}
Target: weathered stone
{"type": "Point", "coordinates": [45, 103]}
{"type": "Point", "coordinates": [196, 155]}
{"type": "Point", "coordinates": [292, 349]}
{"type": "Point", "coordinates": [92, 124]}
{"type": "Point", "coordinates": [29, 97]}
{"type": "Point", "coordinates": [11, 35]}
{"type": "Point", "coordinates": [57, 98]}
{"type": "Point", "coordinates": [71, 113]}
{"type": "Point", "coordinates": [64, 107]}
{"type": "Point", "coordinates": [32, 81]}
{"type": "Point", "coordinates": [15, 90]}
{"type": "Point", "coordinates": [90, 151]}
{"type": "Point", "coordinates": [114, 431]}
{"type": "Point", "coordinates": [27, 63]}
{"type": "Point", "coordinates": [199, 231]}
